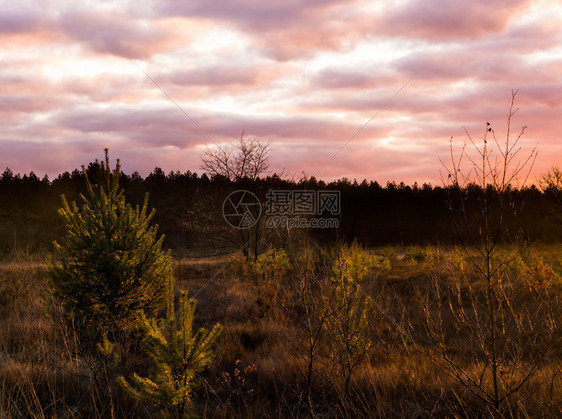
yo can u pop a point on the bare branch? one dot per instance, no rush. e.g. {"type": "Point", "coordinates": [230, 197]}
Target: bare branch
{"type": "Point", "coordinates": [246, 160]}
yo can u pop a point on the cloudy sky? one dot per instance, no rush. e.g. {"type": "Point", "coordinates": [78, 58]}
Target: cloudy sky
{"type": "Point", "coordinates": [75, 77]}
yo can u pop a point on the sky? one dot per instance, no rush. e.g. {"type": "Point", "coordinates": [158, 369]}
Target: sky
{"type": "Point", "coordinates": [157, 82]}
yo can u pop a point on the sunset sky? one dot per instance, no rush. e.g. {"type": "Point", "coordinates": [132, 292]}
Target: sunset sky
{"type": "Point", "coordinates": [303, 75]}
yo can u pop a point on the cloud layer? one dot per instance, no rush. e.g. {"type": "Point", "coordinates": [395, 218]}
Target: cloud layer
{"type": "Point", "coordinates": [157, 82]}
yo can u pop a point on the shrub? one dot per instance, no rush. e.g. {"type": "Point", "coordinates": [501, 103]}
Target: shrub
{"type": "Point", "coordinates": [539, 275]}
{"type": "Point", "coordinates": [357, 262]}
{"type": "Point", "coordinates": [266, 272]}
{"type": "Point", "coordinates": [349, 326]}
{"type": "Point", "coordinates": [419, 254]}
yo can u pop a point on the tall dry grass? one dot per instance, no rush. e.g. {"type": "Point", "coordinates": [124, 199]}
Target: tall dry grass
{"type": "Point", "coordinates": [261, 368]}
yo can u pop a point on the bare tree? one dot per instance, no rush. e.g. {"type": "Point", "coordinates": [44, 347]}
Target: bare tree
{"type": "Point", "coordinates": [243, 163]}
{"type": "Point", "coordinates": [508, 337]}
{"type": "Point", "coordinates": [246, 160]}
{"type": "Point", "coordinates": [552, 179]}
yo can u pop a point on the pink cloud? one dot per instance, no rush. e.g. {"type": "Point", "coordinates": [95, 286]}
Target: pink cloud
{"type": "Point", "coordinates": [110, 33]}
{"type": "Point", "coordinates": [282, 31]}
{"type": "Point", "coordinates": [106, 88]}
{"type": "Point", "coordinates": [19, 22]}
{"type": "Point", "coordinates": [215, 76]}
{"type": "Point", "coordinates": [169, 127]}
{"type": "Point", "coordinates": [345, 78]}
{"type": "Point", "coordinates": [263, 17]}
{"type": "Point", "coordinates": [105, 32]}
{"type": "Point", "coordinates": [24, 103]}
{"type": "Point", "coordinates": [449, 19]}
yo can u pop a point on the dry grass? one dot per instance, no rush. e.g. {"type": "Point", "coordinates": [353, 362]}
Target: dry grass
{"type": "Point", "coordinates": [259, 369]}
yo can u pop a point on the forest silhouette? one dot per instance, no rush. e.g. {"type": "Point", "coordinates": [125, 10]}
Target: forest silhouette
{"type": "Point", "coordinates": [371, 213]}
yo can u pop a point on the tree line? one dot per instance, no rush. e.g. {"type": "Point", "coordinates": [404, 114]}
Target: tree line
{"type": "Point", "coordinates": [188, 207]}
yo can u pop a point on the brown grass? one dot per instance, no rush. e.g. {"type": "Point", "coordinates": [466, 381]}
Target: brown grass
{"type": "Point", "coordinates": [259, 369]}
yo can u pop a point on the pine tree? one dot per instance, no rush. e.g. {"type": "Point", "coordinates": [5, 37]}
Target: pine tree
{"type": "Point", "coordinates": [112, 263]}
{"type": "Point", "coordinates": [177, 353]}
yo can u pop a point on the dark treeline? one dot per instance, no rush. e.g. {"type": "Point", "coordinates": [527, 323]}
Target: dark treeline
{"type": "Point", "coordinates": [188, 207]}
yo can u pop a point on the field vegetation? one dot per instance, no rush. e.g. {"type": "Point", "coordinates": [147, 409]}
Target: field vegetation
{"type": "Point", "coordinates": [311, 331]}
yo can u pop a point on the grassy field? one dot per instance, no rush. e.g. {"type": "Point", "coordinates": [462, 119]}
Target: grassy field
{"type": "Point", "coordinates": [310, 332]}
